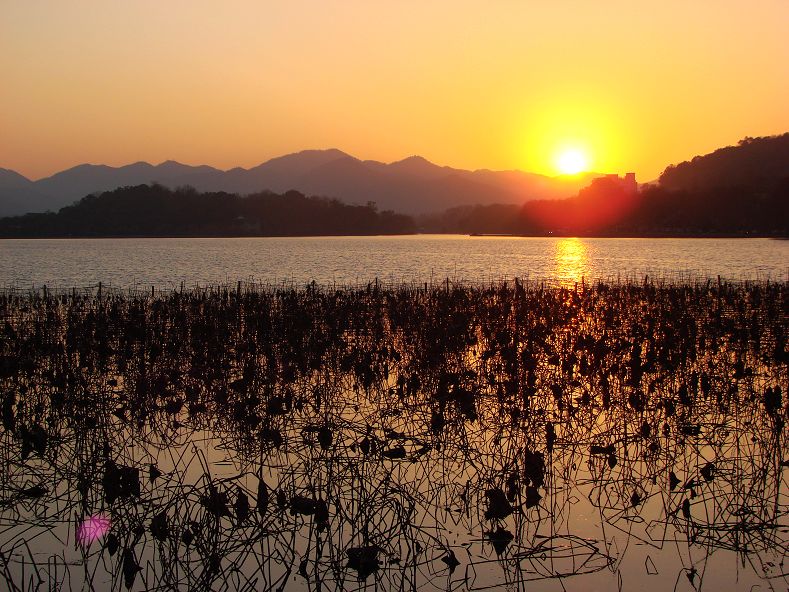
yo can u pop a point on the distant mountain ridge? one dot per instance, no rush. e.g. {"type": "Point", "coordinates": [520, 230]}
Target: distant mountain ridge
{"type": "Point", "coordinates": [736, 191]}
{"type": "Point", "coordinates": [413, 185]}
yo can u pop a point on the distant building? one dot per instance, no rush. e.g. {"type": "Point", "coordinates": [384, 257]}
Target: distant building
{"type": "Point", "coordinates": [628, 182]}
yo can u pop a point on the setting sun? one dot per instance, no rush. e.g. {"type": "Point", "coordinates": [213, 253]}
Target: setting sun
{"type": "Point", "coordinates": [572, 162]}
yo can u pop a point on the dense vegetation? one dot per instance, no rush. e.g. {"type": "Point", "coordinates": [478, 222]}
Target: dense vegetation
{"type": "Point", "coordinates": [753, 162]}
{"type": "Point", "coordinates": [156, 210]}
{"type": "Point", "coordinates": [396, 438]}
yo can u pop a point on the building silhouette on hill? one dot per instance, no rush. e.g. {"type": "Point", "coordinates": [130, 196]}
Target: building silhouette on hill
{"type": "Point", "coordinates": [628, 182]}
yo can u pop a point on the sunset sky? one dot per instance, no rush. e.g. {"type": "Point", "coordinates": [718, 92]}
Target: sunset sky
{"type": "Point", "coordinates": [492, 84]}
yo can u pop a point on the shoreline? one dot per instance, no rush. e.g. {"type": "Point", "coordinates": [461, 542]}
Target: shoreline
{"type": "Point", "coordinates": [471, 235]}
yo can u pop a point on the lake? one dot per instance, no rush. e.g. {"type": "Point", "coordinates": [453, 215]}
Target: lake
{"type": "Point", "coordinates": [167, 262]}
{"type": "Point", "coordinates": [455, 436]}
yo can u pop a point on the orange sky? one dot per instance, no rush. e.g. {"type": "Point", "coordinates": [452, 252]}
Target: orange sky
{"type": "Point", "coordinates": [489, 84]}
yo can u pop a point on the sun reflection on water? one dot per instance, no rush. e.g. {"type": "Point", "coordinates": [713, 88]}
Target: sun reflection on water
{"type": "Point", "coordinates": [571, 261]}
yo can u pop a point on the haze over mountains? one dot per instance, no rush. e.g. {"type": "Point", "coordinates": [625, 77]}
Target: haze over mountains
{"type": "Point", "coordinates": [412, 185]}
{"type": "Point", "coordinates": [740, 190]}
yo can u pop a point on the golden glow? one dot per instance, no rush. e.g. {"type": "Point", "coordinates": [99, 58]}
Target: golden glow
{"type": "Point", "coordinates": [503, 85]}
{"type": "Point", "coordinates": [585, 130]}
{"type": "Point", "coordinates": [571, 261]}
{"type": "Point", "coordinates": [572, 161]}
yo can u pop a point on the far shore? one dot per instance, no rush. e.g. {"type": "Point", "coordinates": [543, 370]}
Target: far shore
{"type": "Point", "coordinates": [473, 235]}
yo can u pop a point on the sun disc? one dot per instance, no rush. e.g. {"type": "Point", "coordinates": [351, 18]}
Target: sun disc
{"type": "Point", "coordinates": [572, 162]}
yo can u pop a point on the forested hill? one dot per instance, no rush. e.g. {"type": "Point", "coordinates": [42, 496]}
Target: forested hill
{"type": "Point", "coordinates": [754, 163]}
{"type": "Point", "coordinates": [155, 210]}
{"type": "Point", "coordinates": [739, 190]}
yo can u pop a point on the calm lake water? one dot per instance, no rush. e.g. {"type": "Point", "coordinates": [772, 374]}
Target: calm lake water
{"type": "Point", "coordinates": [167, 262]}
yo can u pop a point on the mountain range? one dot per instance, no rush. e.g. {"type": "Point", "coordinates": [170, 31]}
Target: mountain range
{"type": "Point", "coordinates": [740, 190]}
{"type": "Point", "coordinates": [412, 185]}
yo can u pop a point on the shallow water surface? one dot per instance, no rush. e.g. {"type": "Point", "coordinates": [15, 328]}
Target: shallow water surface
{"type": "Point", "coordinates": [501, 438]}
{"type": "Point", "coordinates": [68, 263]}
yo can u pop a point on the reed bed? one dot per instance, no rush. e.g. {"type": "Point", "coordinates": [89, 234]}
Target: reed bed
{"type": "Point", "coordinates": [255, 437]}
